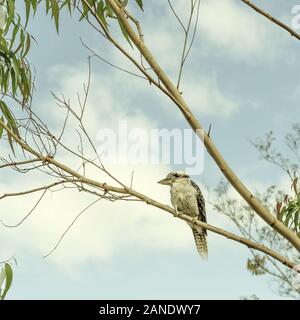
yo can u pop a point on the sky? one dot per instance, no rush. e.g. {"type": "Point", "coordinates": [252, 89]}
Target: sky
{"type": "Point", "coordinates": [242, 77]}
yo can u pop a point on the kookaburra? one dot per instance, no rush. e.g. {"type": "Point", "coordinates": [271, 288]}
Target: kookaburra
{"type": "Point", "coordinates": [187, 198]}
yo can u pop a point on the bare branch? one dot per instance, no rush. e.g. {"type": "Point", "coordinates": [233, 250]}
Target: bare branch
{"type": "Point", "coordinates": [186, 48]}
{"type": "Point", "coordinates": [69, 227]}
{"type": "Point", "coordinates": [111, 64]}
{"type": "Point", "coordinates": [15, 164]}
{"type": "Point", "coordinates": [176, 16]}
{"type": "Point", "coordinates": [28, 214]}
{"type": "Point", "coordinates": [22, 193]}
{"type": "Point", "coordinates": [130, 57]}
{"type": "Point", "coordinates": [271, 18]}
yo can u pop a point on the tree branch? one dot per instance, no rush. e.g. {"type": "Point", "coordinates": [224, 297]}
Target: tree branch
{"type": "Point", "coordinates": [15, 164]}
{"type": "Point", "coordinates": [129, 191]}
{"type": "Point", "coordinates": [22, 193]}
{"type": "Point", "coordinates": [27, 215]}
{"type": "Point", "coordinates": [271, 18]}
{"type": "Point", "coordinates": [128, 56]}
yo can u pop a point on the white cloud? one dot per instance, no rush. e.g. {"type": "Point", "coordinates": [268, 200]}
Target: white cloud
{"type": "Point", "coordinates": [233, 29]}
{"type": "Point", "coordinates": [205, 97]}
{"type": "Point", "coordinates": [226, 28]}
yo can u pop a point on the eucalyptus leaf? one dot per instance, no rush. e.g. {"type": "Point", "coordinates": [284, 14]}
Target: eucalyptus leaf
{"type": "Point", "coordinates": [8, 279]}
{"type": "Point", "coordinates": [140, 4]}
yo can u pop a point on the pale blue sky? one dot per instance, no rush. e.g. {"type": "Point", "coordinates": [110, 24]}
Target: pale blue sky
{"type": "Point", "coordinates": [242, 77]}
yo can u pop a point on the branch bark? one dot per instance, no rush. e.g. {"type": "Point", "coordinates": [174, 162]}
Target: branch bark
{"type": "Point", "coordinates": [23, 193]}
{"type": "Point", "coordinates": [271, 18]}
{"type": "Point", "coordinates": [129, 191]}
{"type": "Point", "coordinates": [15, 164]}
{"type": "Point", "coordinates": [257, 206]}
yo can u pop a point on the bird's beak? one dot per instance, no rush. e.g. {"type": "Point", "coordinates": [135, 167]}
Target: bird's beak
{"type": "Point", "coordinates": [164, 181]}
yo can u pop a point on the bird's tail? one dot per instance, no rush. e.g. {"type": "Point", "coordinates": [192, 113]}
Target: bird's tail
{"type": "Point", "coordinates": [201, 243]}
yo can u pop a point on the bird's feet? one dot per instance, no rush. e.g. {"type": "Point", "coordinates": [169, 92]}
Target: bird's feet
{"type": "Point", "coordinates": [177, 214]}
{"type": "Point", "coordinates": [194, 220]}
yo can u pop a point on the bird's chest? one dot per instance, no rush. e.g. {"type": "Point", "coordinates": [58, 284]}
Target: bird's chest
{"type": "Point", "coordinates": [183, 197]}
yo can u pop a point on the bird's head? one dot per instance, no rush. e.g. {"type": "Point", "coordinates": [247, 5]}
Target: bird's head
{"type": "Point", "coordinates": [175, 176]}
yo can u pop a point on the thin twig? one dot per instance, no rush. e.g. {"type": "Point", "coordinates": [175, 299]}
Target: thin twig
{"type": "Point", "coordinates": [271, 18]}
{"type": "Point", "coordinates": [22, 193]}
{"type": "Point", "coordinates": [185, 51]}
{"type": "Point", "coordinates": [15, 164]}
{"type": "Point", "coordinates": [111, 64]}
{"type": "Point", "coordinates": [28, 214]}
{"type": "Point", "coordinates": [69, 227]}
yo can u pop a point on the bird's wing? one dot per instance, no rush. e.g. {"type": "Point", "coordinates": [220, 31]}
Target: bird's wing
{"type": "Point", "coordinates": [200, 202]}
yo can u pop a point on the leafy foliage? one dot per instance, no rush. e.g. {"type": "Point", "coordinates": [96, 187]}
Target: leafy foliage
{"type": "Point", "coordinates": [256, 265]}
{"type": "Point", "coordinates": [288, 206]}
{"type": "Point", "coordinates": [15, 74]}
{"type": "Point", "coordinates": [288, 210]}
{"type": "Point", "coordinates": [251, 227]}
{"type": "Point", "coordinates": [285, 207]}
{"type": "Point", "coordinates": [15, 43]}
{"type": "Point", "coordinates": [99, 8]}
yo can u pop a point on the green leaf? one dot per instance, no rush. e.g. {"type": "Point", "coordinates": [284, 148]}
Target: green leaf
{"type": "Point", "coordinates": [27, 45]}
{"type": "Point", "coordinates": [10, 141]}
{"type": "Point", "coordinates": [1, 133]}
{"type": "Point", "coordinates": [67, 3]}
{"type": "Point", "coordinates": [48, 6]}
{"type": "Point", "coordinates": [100, 13]}
{"type": "Point", "coordinates": [140, 4]}
{"type": "Point", "coordinates": [25, 84]}
{"type": "Point", "coordinates": [22, 38]}
{"type": "Point", "coordinates": [13, 82]}
{"type": "Point", "coordinates": [14, 33]}
{"type": "Point", "coordinates": [16, 64]}
{"type": "Point", "coordinates": [296, 220]}
{"type": "Point", "coordinates": [27, 10]}
{"type": "Point", "coordinates": [34, 4]}
{"type": "Point", "coordinates": [17, 49]}
{"type": "Point", "coordinates": [85, 11]}
{"type": "Point", "coordinates": [125, 34]}
{"type": "Point", "coordinates": [11, 14]}
{"type": "Point", "coordinates": [9, 117]}
{"type": "Point", "coordinates": [109, 11]}
{"type": "Point", "coordinates": [6, 112]}
{"type": "Point", "coordinates": [8, 279]}
{"type": "Point", "coordinates": [55, 13]}
{"type": "Point", "coordinates": [6, 80]}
